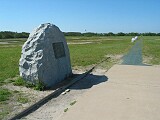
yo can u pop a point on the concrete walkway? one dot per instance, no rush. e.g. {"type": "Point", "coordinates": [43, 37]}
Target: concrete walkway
{"type": "Point", "coordinates": [134, 56]}
{"type": "Point", "coordinates": [131, 93]}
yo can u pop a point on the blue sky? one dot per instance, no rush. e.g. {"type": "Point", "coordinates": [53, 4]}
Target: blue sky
{"type": "Point", "coordinates": [79, 15]}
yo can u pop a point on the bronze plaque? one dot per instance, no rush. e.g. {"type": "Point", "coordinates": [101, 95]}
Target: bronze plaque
{"type": "Point", "coordinates": [58, 50]}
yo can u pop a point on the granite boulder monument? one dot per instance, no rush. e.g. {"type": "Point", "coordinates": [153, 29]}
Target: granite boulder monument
{"type": "Point", "coordinates": [45, 56]}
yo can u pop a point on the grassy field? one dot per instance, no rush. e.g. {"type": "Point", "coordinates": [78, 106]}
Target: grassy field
{"type": "Point", "coordinates": [151, 49]}
{"type": "Point", "coordinates": [97, 49]}
{"type": "Point", "coordinates": [84, 51]}
{"type": "Point", "coordinates": [81, 54]}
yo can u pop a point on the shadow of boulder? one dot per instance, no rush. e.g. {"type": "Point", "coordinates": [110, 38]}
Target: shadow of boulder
{"type": "Point", "coordinates": [89, 81]}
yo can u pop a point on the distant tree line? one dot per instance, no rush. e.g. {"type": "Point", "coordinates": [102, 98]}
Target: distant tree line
{"type": "Point", "coordinates": [89, 34]}
{"type": "Point", "coordinates": [9, 34]}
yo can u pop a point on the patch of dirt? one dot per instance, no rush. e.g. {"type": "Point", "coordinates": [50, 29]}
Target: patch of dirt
{"type": "Point", "coordinates": [112, 59]}
{"type": "Point", "coordinates": [79, 42]}
{"type": "Point", "coordinates": [4, 43]}
{"type": "Point", "coordinates": [81, 69]}
{"type": "Point", "coordinates": [20, 92]}
{"type": "Point", "coordinates": [157, 66]}
{"type": "Point", "coordinates": [9, 45]}
{"type": "Point", "coordinates": [106, 65]}
{"type": "Point", "coordinates": [146, 60]}
{"type": "Point", "coordinates": [117, 59]}
{"type": "Point", "coordinates": [28, 91]}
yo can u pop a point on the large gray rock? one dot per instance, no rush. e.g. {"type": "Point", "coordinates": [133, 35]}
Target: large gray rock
{"type": "Point", "coordinates": [45, 56]}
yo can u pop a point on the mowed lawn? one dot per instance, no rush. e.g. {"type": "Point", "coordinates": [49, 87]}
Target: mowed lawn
{"type": "Point", "coordinates": [84, 51]}
{"type": "Point", "coordinates": [151, 49]}
{"type": "Point", "coordinates": [97, 48]}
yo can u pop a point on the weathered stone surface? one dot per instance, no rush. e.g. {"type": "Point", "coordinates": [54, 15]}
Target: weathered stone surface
{"type": "Point", "coordinates": [45, 56]}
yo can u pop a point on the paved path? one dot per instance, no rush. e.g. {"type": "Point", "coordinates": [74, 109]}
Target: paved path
{"type": "Point", "coordinates": [54, 108]}
{"type": "Point", "coordinates": [134, 56]}
{"type": "Point", "coordinates": [131, 93]}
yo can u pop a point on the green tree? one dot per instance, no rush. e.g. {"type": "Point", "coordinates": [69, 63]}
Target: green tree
{"type": "Point", "coordinates": [111, 34]}
{"type": "Point", "coordinates": [121, 34]}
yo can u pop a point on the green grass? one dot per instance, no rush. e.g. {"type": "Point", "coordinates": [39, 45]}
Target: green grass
{"type": "Point", "coordinates": [15, 41]}
{"type": "Point", "coordinates": [72, 103]}
{"type": "Point", "coordinates": [151, 49]}
{"type": "Point", "coordinates": [88, 54]}
{"type": "Point", "coordinates": [65, 110]}
{"type": "Point", "coordinates": [23, 100]}
{"type": "Point", "coordinates": [9, 59]}
{"type": "Point", "coordinates": [3, 114]}
{"type": "Point", "coordinates": [4, 94]}
{"type": "Point", "coordinates": [95, 39]}
{"type": "Point", "coordinates": [81, 54]}
{"type": "Point", "coordinates": [39, 86]}
{"type": "Point", "coordinates": [20, 82]}
{"type": "Point", "coordinates": [7, 100]}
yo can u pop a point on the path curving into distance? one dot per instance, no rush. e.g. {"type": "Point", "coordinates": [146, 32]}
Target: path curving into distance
{"type": "Point", "coordinates": [134, 56]}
